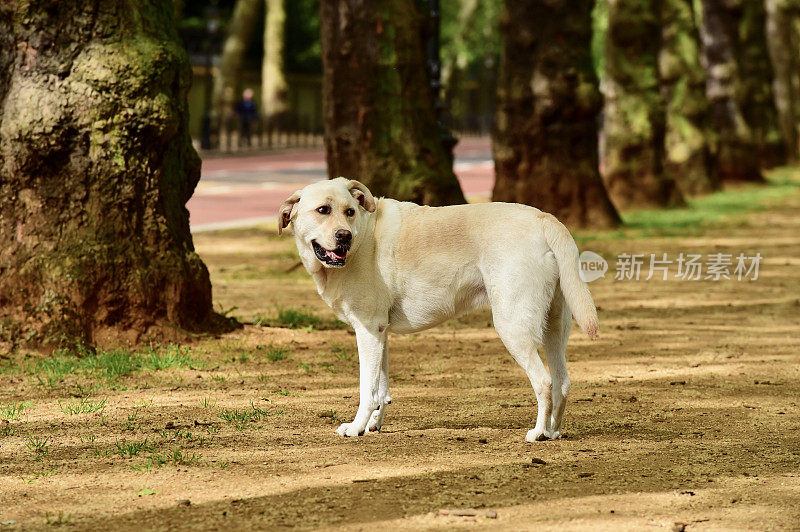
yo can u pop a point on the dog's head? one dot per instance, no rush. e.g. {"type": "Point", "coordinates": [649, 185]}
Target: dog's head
{"type": "Point", "coordinates": [327, 218]}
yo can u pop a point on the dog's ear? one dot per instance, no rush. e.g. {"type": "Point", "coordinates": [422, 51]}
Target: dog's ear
{"type": "Point", "coordinates": [285, 212]}
{"type": "Point", "coordinates": [362, 194]}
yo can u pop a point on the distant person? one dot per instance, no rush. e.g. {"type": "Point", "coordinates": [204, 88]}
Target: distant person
{"type": "Point", "coordinates": [248, 114]}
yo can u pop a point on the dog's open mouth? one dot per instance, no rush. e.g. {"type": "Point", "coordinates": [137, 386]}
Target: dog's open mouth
{"type": "Point", "coordinates": [331, 257]}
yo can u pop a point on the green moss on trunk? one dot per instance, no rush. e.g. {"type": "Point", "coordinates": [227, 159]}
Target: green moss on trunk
{"type": "Point", "coordinates": [96, 166]}
{"type": "Point", "coordinates": [635, 113]}
{"type": "Point", "coordinates": [688, 139]}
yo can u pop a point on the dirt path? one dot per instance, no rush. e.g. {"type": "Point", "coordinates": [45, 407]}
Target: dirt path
{"type": "Point", "coordinates": [684, 411]}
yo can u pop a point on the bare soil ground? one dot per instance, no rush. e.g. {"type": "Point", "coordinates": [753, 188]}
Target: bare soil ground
{"type": "Point", "coordinates": [683, 414]}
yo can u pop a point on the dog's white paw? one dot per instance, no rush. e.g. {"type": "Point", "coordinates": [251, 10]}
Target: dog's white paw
{"type": "Point", "coordinates": [375, 421]}
{"type": "Point", "coordinates": [541, 435]}
{"type": "Point", "coordinates": [348, 430]}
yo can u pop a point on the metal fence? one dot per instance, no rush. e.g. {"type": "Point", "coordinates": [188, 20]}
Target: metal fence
{"type": "Point", "coordinates": [469, 115]}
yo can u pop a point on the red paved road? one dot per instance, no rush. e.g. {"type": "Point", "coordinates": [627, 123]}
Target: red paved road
{"type": "Point", "coordinates": [240, 190]}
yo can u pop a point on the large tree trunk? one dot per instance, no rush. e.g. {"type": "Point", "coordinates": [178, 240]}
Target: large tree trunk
{"type": "Point", "coordinates": [635, 115]}
{"type": "Point", "coordinates": [96, 166]}
{"type": "Point", "coordinates": [380, 125]}
{"type": "Point", "coordinates": [740, 148]}
{"type": "Point", "coordinates": [227, 83]}
{"type": "Point", "coordinates": [783, 38]}
{"type": "Point", "coordinates": [545, 138]}
{"type": "Point", "coordinates": [683, 86]}
{"type": "Point", "coordinates": [273, 82]}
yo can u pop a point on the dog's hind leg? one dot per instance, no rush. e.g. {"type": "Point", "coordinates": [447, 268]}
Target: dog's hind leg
{"type": "Point", "coordinates": [520, 322]}
{"type": "Point", "coordinates": [384, 398]}
{"type": "Point", "coordinates": [556, 334]}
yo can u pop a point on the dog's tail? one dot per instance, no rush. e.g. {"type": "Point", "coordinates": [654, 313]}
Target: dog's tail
{"type": "Point", "coordinates": [572, 286]}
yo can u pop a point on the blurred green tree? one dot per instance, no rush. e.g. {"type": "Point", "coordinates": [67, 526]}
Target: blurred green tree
{"type": "Point", "coordinates": [380, 123]}
{"type": "Point", "coordinates": [470, 37]}
{"type": "Point", "coordinates": [783, 38]}
{"type": "Point", "coordinates": [545, 138]}
{"type": "Point", "coordinates": [689, 141]}
{"type": "Point", "coordinates": [96, 167]}
{"type": "Point", "coordinates": [635, 112]}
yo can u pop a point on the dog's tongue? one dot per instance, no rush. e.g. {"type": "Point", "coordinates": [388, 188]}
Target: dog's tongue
{"type": "Point", "coordinates": [334, 255]}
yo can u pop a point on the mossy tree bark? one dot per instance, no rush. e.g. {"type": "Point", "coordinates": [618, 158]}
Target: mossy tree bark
{"type": "Point", "coordinates": [688, 138]}
{"type": "Point", "coordinates": [783, 38]}
{"type": "Point", "coordinates": [96, 166]}
{"type": "Point", "coordinates": [545, 137]}
{"type": "Point", "coordinates": [273, 81]}
{"type": "Point", "coordinates": [635, 113]}
{"type": "Point", "coordinates": [739, 88]}
{"type": "Point", "coordinates": [380, 126]}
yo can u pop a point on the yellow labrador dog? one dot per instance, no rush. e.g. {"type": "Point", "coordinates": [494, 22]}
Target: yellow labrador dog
{"type": "Point", "coordinates": [385, 265]}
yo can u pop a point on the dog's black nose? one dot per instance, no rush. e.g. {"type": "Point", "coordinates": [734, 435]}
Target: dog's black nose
{"type": "Point", "coordinates": [343, 236]}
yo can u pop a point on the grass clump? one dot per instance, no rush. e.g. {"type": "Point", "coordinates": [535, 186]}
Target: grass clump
{"type": "Point", "coordinates": [273, 353]}
{"type": "Point", "coordinates": [38, 446]}
{"type": "Point", "coordinates": [107, 366]}
{"type": "Point", "coordinates": [242, 418]}
{"type": "Point", "coordinates": [82, 406]}
{"type": "Point", "coordinates": [705, 210]}
{"type": "Point", "coordinates": [12, 411]}
{"type": "Point", "coordinates": [131, 449]}
{"type": "Point", "coordinates": [299, 319]}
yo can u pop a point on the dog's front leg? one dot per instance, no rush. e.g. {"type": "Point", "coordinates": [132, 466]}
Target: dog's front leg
{"type": "Point", "coordinates": [370, 356]}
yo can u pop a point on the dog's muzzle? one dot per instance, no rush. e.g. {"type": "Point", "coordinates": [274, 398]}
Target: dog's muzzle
{"type": "Point", "coordinates": [331, 257]}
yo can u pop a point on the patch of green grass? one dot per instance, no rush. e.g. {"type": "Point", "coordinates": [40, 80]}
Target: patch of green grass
{"type": "Point", "coordinates": [241, 418]}
{"type": "Point", "coordinates": [107, 366]}
{"type": "Point", "coordinates": [131, 449]}
{"type": "Point", "coordinates": [275, 353]}
{"type": "Point", "coordinates": [38, 446]}
{"type": "Point", "coordinates": [7, 429]}
{"type": "Point", "coordinates": [206, 402]}
{"type": "Point", "coordinates": [57, 520]}
{"type": "Point", "coordinates": [168, 457]}
{"type": "Point", "coordinates": [340, 352]}
{"type": "Point", "coordinates": [133, 423]}
{"type": "Point", "coordinates": [82, 406]}
{"type": "Point", "coordinates": [703, 212]}
{"type": "Point", "coordinates": [36, 476]}
{"type": "Point", "coordinates": [299, 319]}
{"type": "Point", "coordinates": [174, 356]}
{"type": "Point", "coordinates": [12, 411]}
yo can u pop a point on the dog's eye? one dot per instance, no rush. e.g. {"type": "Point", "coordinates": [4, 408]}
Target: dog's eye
{"type": "Point", "coordinates": [350, 212]}
{"type": "Point", "coordinates": [324, 209]}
